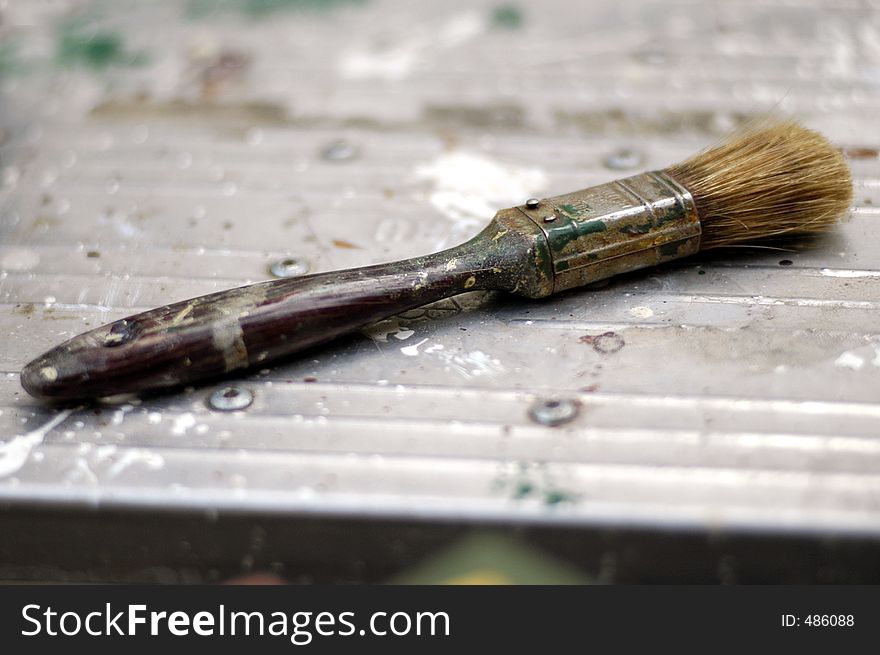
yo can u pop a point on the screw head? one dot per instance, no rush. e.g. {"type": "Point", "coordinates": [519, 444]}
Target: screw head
{"type": "Point", "coordinates": [339, 151]}
{"type": "Point", "coordinates": [532, 203]}
{"type": "Point", "coordinates": [230, 399]}
{"type": "Point", "coordinates": [554, 411]}
{"type": "Point", "coordinates": [549, 218]}
{"type": "Point", "coordinates": [289, 267]}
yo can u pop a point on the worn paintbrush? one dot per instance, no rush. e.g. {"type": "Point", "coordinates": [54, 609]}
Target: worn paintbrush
{"type": "Point", "coordinates": [772, 179]}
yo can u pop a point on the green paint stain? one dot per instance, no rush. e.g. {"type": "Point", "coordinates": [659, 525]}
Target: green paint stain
{"type": "Point", "coordinates": [80, 46]}
{"type": "Point", "coordinates": [261, 8]}
{"type": "Point", "coordinates": [9, 62]}
{"type": "Point", "coordinates": [531, 480]}
{"type": "Point", "coordinates": [523, 489]}
{"type": "Point", "coordinates": [507, 17]}
{"type": "Point", "coordinates": [557, 497]}
{"type": "Point", "coordinates": [569, 210]}
{"type": "Point", "coordinates": [577, 216]}
{"type": "Point", "coordinates": [589, 227]}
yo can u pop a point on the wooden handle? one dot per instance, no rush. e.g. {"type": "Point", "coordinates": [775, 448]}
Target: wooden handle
{"type": "Point", "coordinates": [253, 325]}
{"type": "Point", "coordinates": [221, 332]}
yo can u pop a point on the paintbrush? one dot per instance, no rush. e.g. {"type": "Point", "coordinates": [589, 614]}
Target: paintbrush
{"type": "Point", "coordinates": [772, 179]}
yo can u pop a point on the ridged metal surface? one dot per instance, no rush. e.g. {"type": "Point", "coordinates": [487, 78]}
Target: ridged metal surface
{"type": "Point", "coordinates": [736, 391]}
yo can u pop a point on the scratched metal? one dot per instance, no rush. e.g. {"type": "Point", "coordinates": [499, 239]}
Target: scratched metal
{"type": "Point", "coordinates": [178, 153]}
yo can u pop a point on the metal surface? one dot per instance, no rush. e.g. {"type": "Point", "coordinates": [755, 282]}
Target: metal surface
{"type": "Point", "coordinates": [727, 393]}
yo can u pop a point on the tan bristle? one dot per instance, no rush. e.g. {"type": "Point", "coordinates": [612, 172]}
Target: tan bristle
{"type": "Point", "coordinates": [776, 178]}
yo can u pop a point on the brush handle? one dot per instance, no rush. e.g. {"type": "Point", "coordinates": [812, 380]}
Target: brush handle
{"type": "Point", "coordinates": [243, 327]}
{"type": "Point", "coordinates": [221, 332]}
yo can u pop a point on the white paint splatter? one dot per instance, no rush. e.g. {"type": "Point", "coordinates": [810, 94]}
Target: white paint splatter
{"type": "Point", "coordinates": [102, 453]}
{"type": "Point", "coordinates": [380, 331]}
{"type": "Point", "coordinates": [19, 259]}
{"type": "Point", "coordinates": [81, 472]}
{"type": "Point", "coordinates": [849, 360]}
{"type": "Point", "coordinates": [472, 186]}
{"type": "Point", "coordinates": [154, 418]}
{"type": "Point", "coordinates": [14, 453]}
{"type": "Point", "coordinates": [119, 414]}
{"type": "Point", "coordinates": [49, 373]}
{"type": "Point", "coordinates": [183, 423]}
{"type": "Point", "coordinates": [473, 364]}
{"type": "Point", "coordinates": [131, 456]}
{"type": "Point", "coordinates": [413, 350]}
{"type": "Point", "coordinates": [469, 365]}
{"type": "Point", "coordinates": [400, 60]}
{"type": "Point", "coordinates": [641, 312]}
{"type": "Point", "coordinates": [383, 329]}
{"type": "Point", "coordinates": [469, 188]}
{"type": "Point", "coordinates": [120, 223]}
{"type": "Point", "coordinates": [844, 272]}
{"type": "Point", "coordinates": [390, 64]}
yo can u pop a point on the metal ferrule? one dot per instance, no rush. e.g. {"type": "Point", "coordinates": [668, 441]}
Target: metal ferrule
{"type": "Point", "coordinates": [617, 227]}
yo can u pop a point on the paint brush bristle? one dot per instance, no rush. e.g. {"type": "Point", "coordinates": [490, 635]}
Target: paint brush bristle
{"type": "Point", "coordinates": [772, 179]}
